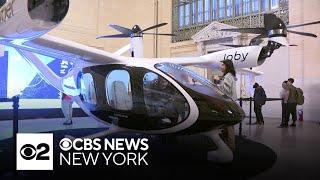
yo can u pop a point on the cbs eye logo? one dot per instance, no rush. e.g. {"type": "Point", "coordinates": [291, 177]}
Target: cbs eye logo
{"type": "Point", "coordinates": [65, 144]}
{"type": "Point", "coordinates": [29, 152]}
{"type": "Point", "coordinates": [34, 151]}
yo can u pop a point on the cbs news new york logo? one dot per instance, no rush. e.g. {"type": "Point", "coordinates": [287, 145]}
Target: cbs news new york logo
{"type": "Point", "coordinates": [34, 151]}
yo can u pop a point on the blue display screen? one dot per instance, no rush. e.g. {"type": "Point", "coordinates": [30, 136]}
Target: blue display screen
{"type": "Point", "coordinates": [18, 77]}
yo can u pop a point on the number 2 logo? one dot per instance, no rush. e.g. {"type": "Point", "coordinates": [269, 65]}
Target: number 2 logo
{"type": "Point", "coordinates": [29, 152]}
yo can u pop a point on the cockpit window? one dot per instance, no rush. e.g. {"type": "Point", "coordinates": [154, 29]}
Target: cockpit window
{"type": "Point", "coordinates": [48, 11]}
{"type": "Point", "coordinates": [189, 78]}
{"type": "Point", "coordinates": [165, 105]}
{"type": "Point", "coordinates": [2, 2]}
{"type": "Point", "coordinates": [118, 89]}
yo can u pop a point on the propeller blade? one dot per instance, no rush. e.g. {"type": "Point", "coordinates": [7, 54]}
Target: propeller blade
{"type": "Point", "coordinates": [160, 34]}
{"type": "Point", "coordinates": [303, 33]}
{"type": "Point", "coordinates": [121, 29]}
{"type": "Point", "coordinates": [155, 26]}
{"type": "Point", "coordinates": [234, 45]}
{"type": "Point", "coordinates": [247, 30]}
{"type": "Point", "coordinates": [114, 36]}
{"type": "Point", "coordinates": [305, 24]}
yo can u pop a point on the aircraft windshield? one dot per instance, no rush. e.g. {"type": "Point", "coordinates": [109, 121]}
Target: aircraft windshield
{"type": "Point", "coordinates": [189, 78]}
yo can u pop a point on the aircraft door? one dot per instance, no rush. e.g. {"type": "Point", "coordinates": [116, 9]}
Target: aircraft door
{"type": "Point", "coordinates": [165, 105]}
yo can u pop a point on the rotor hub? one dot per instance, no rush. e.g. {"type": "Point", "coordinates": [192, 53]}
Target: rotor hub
{"type": "Point", "coordinates": [136, 29]}
{"type": "Point", "coordinates": [277, 32]}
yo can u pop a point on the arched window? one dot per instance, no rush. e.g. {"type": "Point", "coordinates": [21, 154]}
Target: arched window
{"type": "Point", "coordinates": [187, 15]}
{"type": "Point", "coordinates": [118, 90]}
{"type": "Point", "coordinates": [255, 6]}
{"type": "Point", "coordinates": [237, 7]}
{"type": "Point", "coordinates": [194, 12]}
{"type": "Point", "coordinates": [200, 11]}
{"type": "Point", "coordinates": [181, 16]}
{"type": "Point", "coordinates": [246, 7]}
{"type": "Point", "coordinates": [264, 5]}
{"type": "Point", "coordinates": [229, 8]}
{"type": "Point", "coordinates": [222, 10]}
{"type": "Point", "coordinates": [206, 10]}
{"type": "Point", "coordinates": [274, 4]}
{"type": "Point", "coordinates": [214, 9]}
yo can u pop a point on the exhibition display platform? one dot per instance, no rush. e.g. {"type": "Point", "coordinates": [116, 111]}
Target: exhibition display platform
{"type": "Point", "coordinates": [175, 158]}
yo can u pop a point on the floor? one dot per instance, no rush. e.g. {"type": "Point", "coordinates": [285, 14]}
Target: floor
{"type": "Point", "coordinates": [298, 149]}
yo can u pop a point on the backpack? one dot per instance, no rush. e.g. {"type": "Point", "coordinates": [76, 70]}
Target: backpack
{"type": "Point", "coordinates": [299, 96]}
{"type": "Point", "coordinates": [264, 97]}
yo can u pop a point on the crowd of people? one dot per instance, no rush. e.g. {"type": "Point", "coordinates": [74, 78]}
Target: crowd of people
{"type": "Point", "coordinates": [291, 96]}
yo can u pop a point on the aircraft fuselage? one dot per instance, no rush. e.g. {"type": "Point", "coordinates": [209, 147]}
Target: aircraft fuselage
{"type": "Point", "coordinates": [159, 99]}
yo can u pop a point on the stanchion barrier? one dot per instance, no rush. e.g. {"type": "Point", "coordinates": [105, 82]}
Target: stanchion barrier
{"type": "Point", "coordinates": [250, 110]}
{"type": "Point", "coordinates": [251, 99]}
{"type": "Point", "coordinates": [240, 125]}
{"type": "Point", "coordinates": [15, 129]}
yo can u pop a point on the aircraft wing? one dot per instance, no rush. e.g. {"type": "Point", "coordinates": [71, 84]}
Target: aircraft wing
{"type": "Point", "coordinates": [190, 61]}
{"type": "Point", "coordinates": [242, 57]}
{"type": "Point", "coordinates": [64, 49]}
{"type": "Point", "coordinates": [203, 63]}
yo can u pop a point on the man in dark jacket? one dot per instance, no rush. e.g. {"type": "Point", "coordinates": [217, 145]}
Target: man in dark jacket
{"type": "Point", "coordinates": [259, 98]}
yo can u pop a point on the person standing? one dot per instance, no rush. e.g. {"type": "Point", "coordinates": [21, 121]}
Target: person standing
{"type": "Point", "coordinates": [66, 106]}
{"type": "Point", "coordinates": [284, 95]}
{"type": "Point", "coordinates": [291, 105]}
{"type": "Point", "coordinates": [227, 84]}
{"type": "Point", "coordinates": [259, 98]}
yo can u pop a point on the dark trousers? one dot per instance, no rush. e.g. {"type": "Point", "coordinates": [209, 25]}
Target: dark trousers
{"type": "Point", "coordinates": [291, 109]}
{"type": "Point", "coordinates": [257, 110]}
{"type": "Point", "coordinates": [284, 111]}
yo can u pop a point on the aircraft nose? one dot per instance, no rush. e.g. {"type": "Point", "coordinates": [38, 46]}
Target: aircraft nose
{"type": "Point", "coordinates": [235, 112]}
{"type": "Point", "coordinates": [219, 110]}
{"type": "Point", "coordinates": [228, 111]}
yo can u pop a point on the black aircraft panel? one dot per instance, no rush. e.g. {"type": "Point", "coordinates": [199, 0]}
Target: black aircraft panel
{"type": "Point", "coordinates": [132, 97]}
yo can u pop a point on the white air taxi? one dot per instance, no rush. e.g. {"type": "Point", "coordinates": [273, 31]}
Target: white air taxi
{"type": "Point", "coordinates": [146, 95]}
